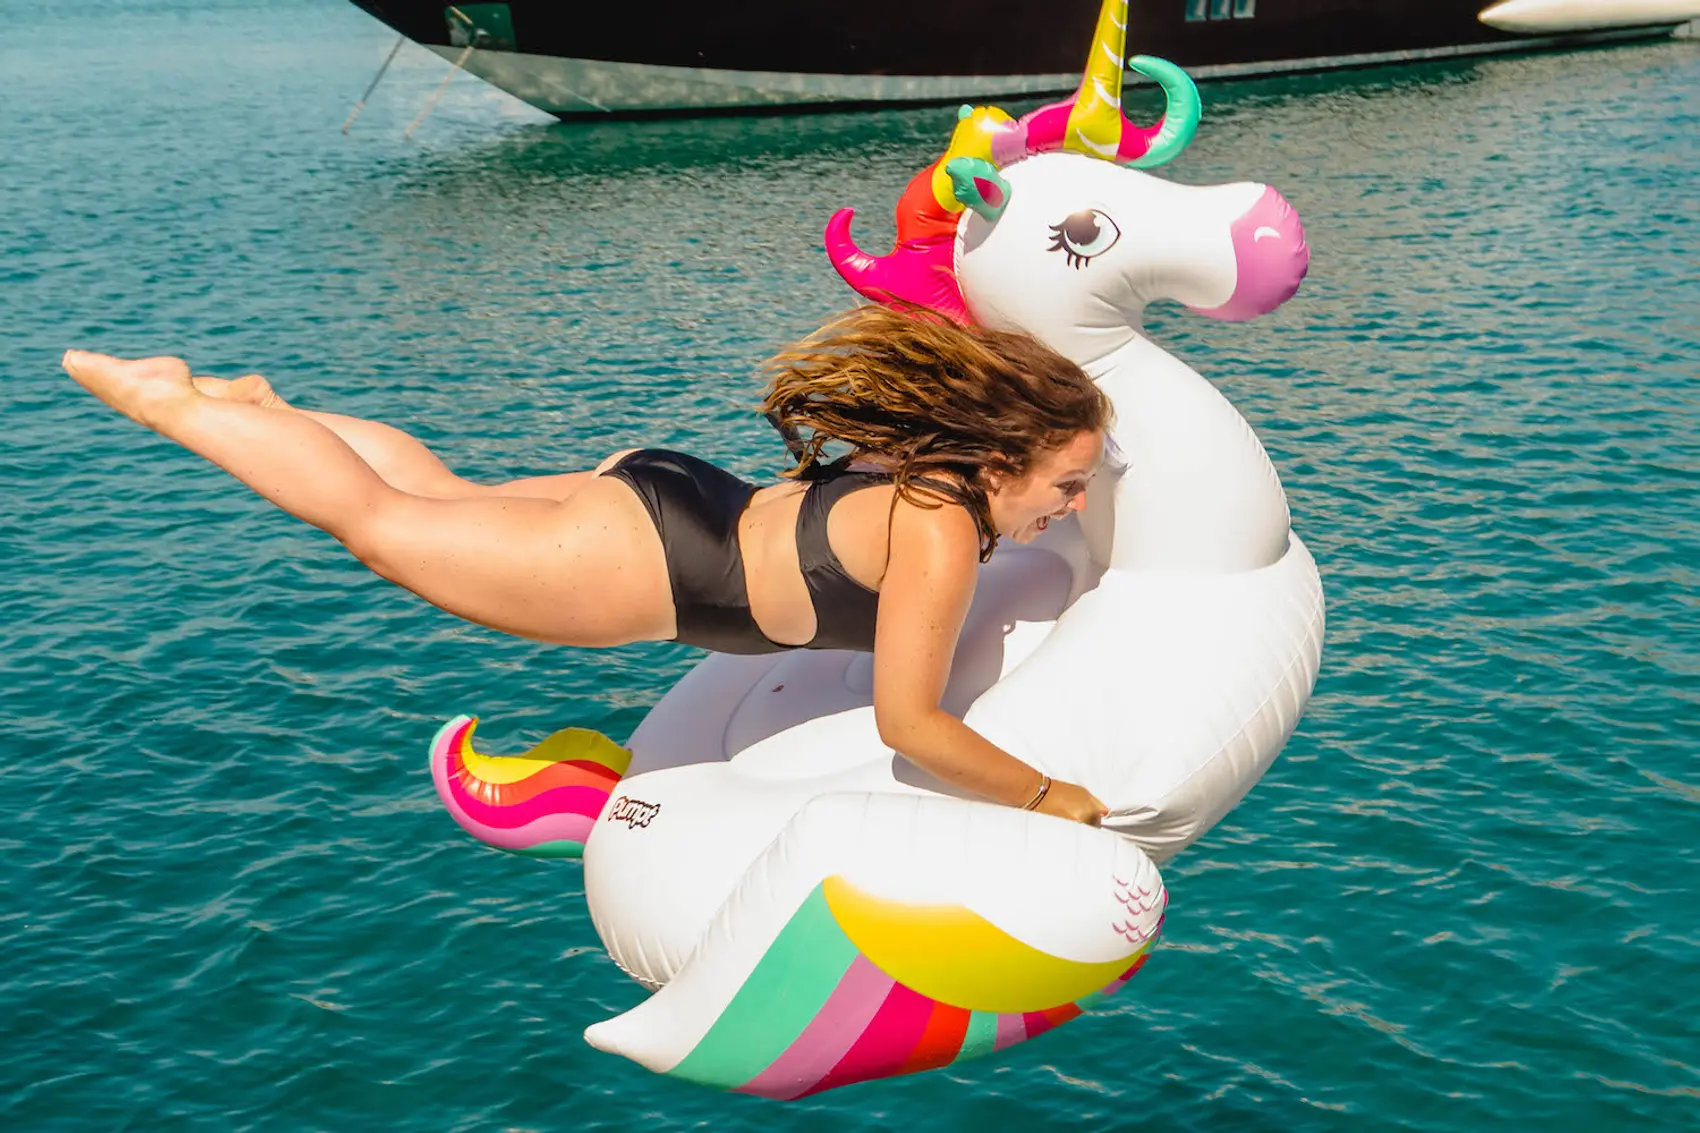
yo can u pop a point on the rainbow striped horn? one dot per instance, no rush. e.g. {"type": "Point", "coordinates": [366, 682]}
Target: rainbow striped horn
{"type": "Point", "coordinates": [1092, 121]}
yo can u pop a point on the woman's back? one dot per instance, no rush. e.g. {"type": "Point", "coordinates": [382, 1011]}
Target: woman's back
{"type": "Point", "coordinates": [856, 534]}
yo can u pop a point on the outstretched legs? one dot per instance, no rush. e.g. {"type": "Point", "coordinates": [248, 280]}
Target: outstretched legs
{"type": "Point", "coordinates": [400, 459]}
{"type": "Point", "coordinates": [584, 570]}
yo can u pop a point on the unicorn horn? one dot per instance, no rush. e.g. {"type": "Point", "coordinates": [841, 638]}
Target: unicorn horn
{"type": "Point", "coordinates": [1092, 121]}
{"type": "Point", "coordinates": [1095, 123]}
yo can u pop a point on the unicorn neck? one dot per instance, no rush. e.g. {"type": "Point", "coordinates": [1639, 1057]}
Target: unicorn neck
{"type": "Point", "coordinates": [1100, 342]}
{"type": "Point", "coordinates": [1198, 492]}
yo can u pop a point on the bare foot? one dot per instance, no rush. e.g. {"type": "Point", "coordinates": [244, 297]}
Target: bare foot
{"type": "Point", "coordinates": [146, 391]}
{"type": "Point", "coordinates": [252, 389]}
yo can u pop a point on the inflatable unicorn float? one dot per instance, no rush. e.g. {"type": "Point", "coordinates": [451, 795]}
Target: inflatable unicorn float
{"type": "Point", "coordinates": [809, 909]}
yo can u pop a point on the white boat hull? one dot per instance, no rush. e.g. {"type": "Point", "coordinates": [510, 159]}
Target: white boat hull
{"type": "Point", "coordinates": [1549, 17]}
{"type": "Point", "coordinates": [573, 88]}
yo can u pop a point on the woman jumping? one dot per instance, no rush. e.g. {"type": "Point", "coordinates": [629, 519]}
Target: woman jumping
{"type": "Point", "coordinates": [957, 437]}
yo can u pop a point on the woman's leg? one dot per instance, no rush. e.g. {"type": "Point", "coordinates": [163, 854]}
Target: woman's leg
{"type": "Point", "coordinates": [586, 571]}
{"type": "Point", "coordinates": [401, 460]}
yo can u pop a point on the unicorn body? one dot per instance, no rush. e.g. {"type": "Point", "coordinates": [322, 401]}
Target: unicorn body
{"type": "Point", "coordinates": [813, 909]}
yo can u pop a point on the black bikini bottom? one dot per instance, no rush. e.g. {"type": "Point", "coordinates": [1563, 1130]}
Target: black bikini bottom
{"type": "Point", "coordinates": [696, 507]}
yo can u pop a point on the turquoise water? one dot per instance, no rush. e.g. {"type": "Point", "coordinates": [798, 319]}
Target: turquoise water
{"type": "Point", "coordinates": [1464, 898]}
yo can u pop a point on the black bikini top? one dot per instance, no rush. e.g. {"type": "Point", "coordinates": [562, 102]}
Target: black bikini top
{"type": "Point", "coordinates": [845, 610]}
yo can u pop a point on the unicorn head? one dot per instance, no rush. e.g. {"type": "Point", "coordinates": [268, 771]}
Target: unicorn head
{"type": "Point", "coordinates": [1047, 225]}
{"type": "Point", "coordinates": [1043, 222]}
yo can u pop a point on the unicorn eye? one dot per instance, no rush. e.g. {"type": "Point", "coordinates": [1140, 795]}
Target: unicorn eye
{"type": "Point", "coordinates": [1084, 236]}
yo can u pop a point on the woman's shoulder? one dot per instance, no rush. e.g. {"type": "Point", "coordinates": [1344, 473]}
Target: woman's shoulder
{"type": "Point", "coordinates": [933, 558]}
{"type": "Point", "coordinates": [933, 520]}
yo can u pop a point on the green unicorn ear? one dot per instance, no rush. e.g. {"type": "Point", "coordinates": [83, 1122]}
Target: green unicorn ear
{"type": "Point", "coordinates": [1180, 114]}
{"type": "Point", "coordinates": [977, 184]}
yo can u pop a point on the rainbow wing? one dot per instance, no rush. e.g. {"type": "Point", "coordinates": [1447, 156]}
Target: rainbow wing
{"type": "Point", "coordinates": [542, 804]}
{"type": "Point", "coordinates": [820, 1012]}
{"type": "Point", "coordinates": [844, 957]}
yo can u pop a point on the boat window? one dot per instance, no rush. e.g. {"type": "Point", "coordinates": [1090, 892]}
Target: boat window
{"type": "Point", "coordinates": [1200, 10]}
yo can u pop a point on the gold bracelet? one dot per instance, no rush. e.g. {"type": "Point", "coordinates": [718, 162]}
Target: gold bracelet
{"type": "Point", "coordinates": [1039, 795]}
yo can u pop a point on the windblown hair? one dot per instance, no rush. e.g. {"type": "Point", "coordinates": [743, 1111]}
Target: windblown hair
{"type": "Point", "coordinates": [946, 405]}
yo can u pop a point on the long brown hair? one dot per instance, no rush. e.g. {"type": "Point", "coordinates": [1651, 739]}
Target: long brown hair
{"type": "Point", "coordinates": [948, 405]}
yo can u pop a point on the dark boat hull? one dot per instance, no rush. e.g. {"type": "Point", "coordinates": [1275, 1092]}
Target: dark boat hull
{"type": "Point", "coordinates": [673, 56]}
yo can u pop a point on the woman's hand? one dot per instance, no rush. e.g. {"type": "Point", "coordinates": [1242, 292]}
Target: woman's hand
{"type": "Point", "coordinates": [1073, 802]}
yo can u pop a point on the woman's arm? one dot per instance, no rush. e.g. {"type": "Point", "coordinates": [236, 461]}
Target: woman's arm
{"type": "Point", "coordinates": [924, 599]}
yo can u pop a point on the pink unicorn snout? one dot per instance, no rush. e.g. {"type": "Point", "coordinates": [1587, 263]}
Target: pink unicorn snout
{"type": "Point", "coordinates": [1271, 257]}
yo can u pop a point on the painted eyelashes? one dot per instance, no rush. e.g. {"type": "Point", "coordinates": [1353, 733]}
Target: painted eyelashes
{"type": "Point", "coordinates": [1084, 236]}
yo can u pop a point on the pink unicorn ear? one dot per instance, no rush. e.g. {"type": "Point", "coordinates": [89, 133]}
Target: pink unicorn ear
{"type": "Point", "coordinates": [978, 185]}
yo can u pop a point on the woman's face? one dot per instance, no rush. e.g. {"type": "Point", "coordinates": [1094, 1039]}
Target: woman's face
{"type": "Point", "coordinates": [1053, 487]}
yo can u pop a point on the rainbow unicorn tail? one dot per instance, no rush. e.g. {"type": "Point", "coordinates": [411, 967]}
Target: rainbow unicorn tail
{"type": "Point", "coordinates": [542, 804]}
